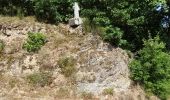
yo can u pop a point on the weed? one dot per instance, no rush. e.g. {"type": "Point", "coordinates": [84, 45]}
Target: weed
{"type": "Point", "coordinates": [67, 65]}
{"type": "Point", "coordinates": [40, 79]}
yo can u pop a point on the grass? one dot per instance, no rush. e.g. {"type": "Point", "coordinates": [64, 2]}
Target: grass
{"type": "Point", "coordinates": [67, 66]}
{"type": "Point", "coordinates": [20, 13]}
{"type": "Point", "coordinates": [59, 41]}
{"type": "Point", "coordinates": [108, 91]}
{"type": "Point", "coordinates": [91, 27]}
{"type": "Point", "coordinates": [40, 79]}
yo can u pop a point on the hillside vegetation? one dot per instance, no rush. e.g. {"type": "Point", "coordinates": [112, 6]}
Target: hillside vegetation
{"type": "Point", "coordinates": [141, 27]}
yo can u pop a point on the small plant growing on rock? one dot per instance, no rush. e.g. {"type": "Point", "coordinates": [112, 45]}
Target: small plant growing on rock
{"type": "Point", "coordinates": [108, 91]}
{"type": "Point", "coordinates": [40, 79]}
{"type": "Point", "coordinates": [2, 45]}
{"type": "Point", "coordinates": [67, 65]}
{"type": "Point", "coordinates": [34, 42]}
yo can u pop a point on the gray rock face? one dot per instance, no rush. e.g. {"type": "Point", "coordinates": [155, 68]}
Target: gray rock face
{"type": "Point", "coordinates": [102, 68]}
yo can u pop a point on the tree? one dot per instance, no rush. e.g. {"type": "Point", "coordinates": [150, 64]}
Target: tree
{"type": "Point", "coordinates": [151, 68]}
{"type": "Point", "coordinates": [53, 11]}
{"type": "Point", "coordinates": [132, 17]}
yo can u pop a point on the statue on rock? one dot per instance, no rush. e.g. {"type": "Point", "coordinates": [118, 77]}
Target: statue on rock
{"type": "Point", "coordinates": [76, 21]}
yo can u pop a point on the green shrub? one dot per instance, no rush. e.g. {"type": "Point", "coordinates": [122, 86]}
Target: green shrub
{"type": "Point", "coordinates": [67, 65]}
{"type": "Point", "coordinates": [114, 36]}
{"type": "Point", "coordinates": [16, 7]}
{"type": "Point", "coordinates": [34, 42]}
{"type": "Point", "coordinates": [40, 79]}
{"type": "Point", "coordinates": [108, 91]}
{"type": "Point", "coordinates": [53, 11]}
{"type": "Point", "coordinates": [2, 45]}
{"type": "Point", "coordinates": [151, 68]}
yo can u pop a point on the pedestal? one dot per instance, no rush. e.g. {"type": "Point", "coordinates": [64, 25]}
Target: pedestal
{"type": "Point", "coordinates": [75, 21]}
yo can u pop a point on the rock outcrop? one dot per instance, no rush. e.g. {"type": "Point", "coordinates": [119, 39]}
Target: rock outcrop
{"type": "Point", "coordinates": [98, 65]}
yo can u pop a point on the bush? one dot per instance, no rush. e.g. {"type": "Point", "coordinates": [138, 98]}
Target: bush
{"type": "Point", "coordinates": [34, 42]}
{"type": "Point", "coordinates": [67, 65]}
{"type": "Point", "coordinates": [40, 79]}
{"type": "Point", "coordinates": [114, 36]}
{"type": "Point", "coordinates": [151, 67]}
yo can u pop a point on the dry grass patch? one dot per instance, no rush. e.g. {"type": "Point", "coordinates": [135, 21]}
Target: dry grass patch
{"type": "Point", "coordinates": [40, 79]}
{"type": "Point", "coordinates": [108, 91]}
{"type": "Point", "coordinates": [63, 92]}
{"type": "Point", "coordinates": [17, 20]}
{"type": "Point", "coordinates": [87, 95]}
{"type": "Point", "coordinates": [67, 66]}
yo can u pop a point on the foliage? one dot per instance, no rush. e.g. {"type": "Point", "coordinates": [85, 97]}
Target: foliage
{"type": "Point", "coordinates": [114, 36]}
{"type": "Point", "coordinates": [34, 42]}
{"type": "Point", "coordinates": [67, 65]}
{"type": "Point", "coordinates": [12, 7]}
{"type": "Point", "coordinates": [151, 67]}
{"type": "Point", "coordinates": [40, 79]}
{"type": "Point", "coordinates": [133, 18]}
{"type": "Point", "coordinates": [2, 45]}
{"type": "Point", "coordinates": [53, 11]}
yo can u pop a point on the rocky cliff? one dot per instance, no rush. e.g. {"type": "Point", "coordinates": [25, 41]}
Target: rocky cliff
{"type": "Point", "coordinates": [101, 70]}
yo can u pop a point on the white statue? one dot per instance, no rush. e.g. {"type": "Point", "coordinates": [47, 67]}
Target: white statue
{"type": "Point", "coordinates": [76, 10]}
{"type": "Point", "coordinates": [76, 21]}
